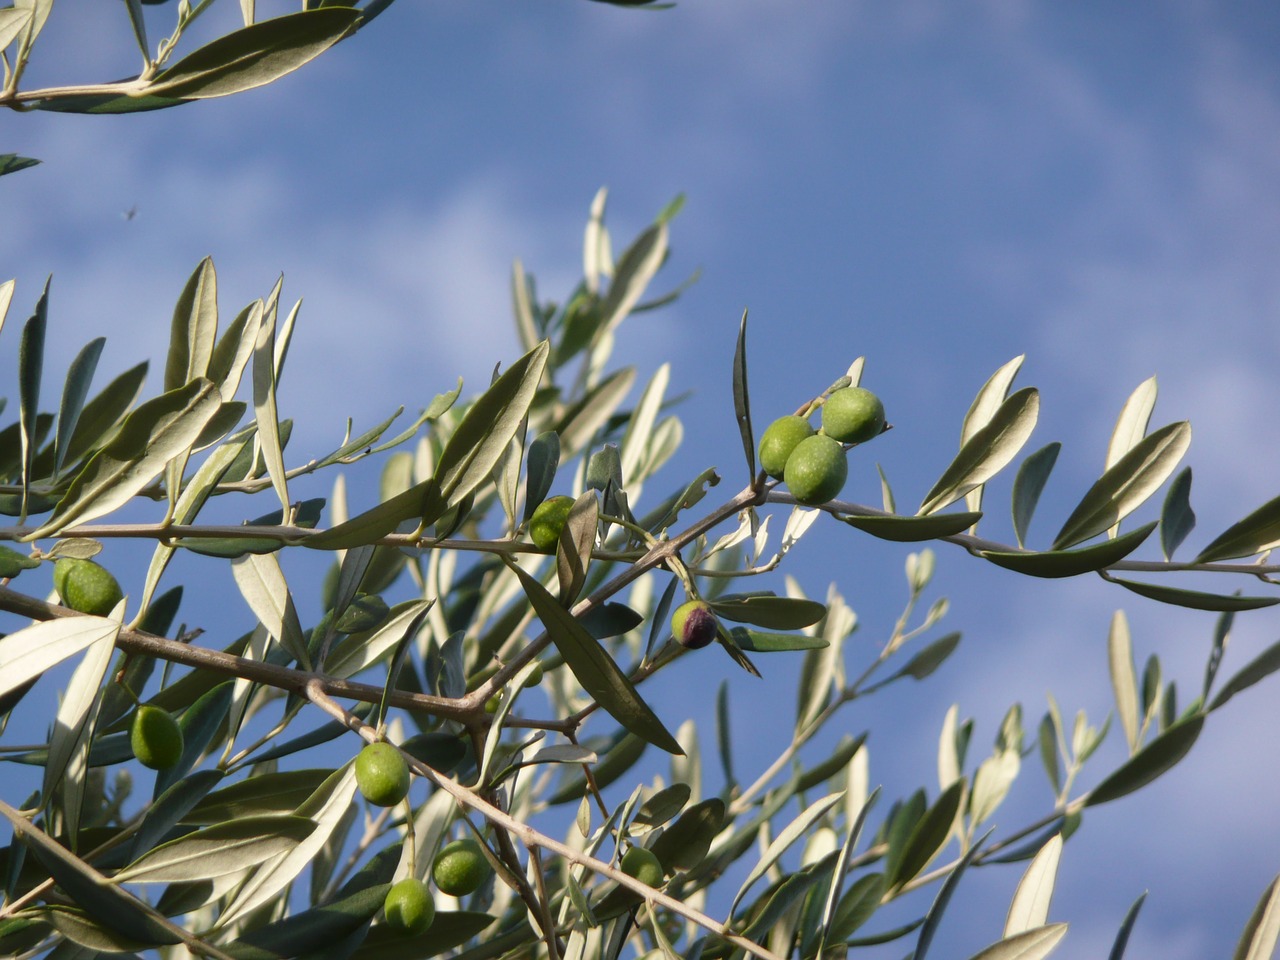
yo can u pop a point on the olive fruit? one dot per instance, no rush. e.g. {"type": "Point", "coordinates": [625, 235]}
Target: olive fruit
{"type": "Point", "coordinates": [547, 522]}
{"type": "Point", "coordinates": [816, 470]}
{"type": "Point", "coordinates": [382, 775]}
{"type": "Point", "coordinates": [535, 676]}
{"type": "Point", "coordinates": [409, 907]}
{"type": "Point", "coordinates": [779, 440]}
{"type": "Point", "coordinates": [155, 737]}
{"type": "Point", "coordinates": [853, 415]}
{"type": "Point", "coordinates": [643, 865]}
{"type": "Point", "coordinates": [86, 586]}
{"type": "Point", "coordinates": [459, 868]}
{"type": "Point", "coordinates": [694, 624]}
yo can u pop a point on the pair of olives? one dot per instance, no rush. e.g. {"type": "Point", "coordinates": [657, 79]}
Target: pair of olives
{"type": "Point", "coordinates": [458, 870]}
{"type": "Point", "coordinates": [812, 463]}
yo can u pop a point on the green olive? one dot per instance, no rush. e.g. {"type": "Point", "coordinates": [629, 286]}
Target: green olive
{"type": "Point", "coordinates": [155, 737]}
{"type": "Point", "coordinates": [459, 868]}
{"type": "Point", "coordinates": [779, 440]}
{"type": "Point", "coordinates": [853, 415]}
{"type": "Point", "coordinates": [86, 586]}
{"type": "Point", "coordinates": [382, 775]}
{"type": "Point", "coordinates": [409, 907]}
{"type": "Point", "coordinates": [643, 865]}
{"type": "Point", "coordinates": [816, 470]}
{"type": "Point", "coordinates": [694, 624]}
{"type": "Point", "coordinates": [547, 522]}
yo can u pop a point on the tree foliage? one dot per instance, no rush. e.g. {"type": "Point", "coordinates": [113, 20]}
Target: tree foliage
{"type": "Point", "coordinates": [508, 676]}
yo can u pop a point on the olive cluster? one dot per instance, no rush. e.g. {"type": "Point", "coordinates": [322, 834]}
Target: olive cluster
{"type": "Point", "coordinates": [458, 869]}
{"type": "Point", "coordinates": [812, 462]}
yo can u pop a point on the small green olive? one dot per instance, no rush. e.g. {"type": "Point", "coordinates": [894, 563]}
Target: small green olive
{"type": "Point", "coordinates": [155, 737]}
{"type": "Point", "coordinates": [547, 522]}
{"type": "Point", "coordinates": [779, 440]}
{"type": "Point", "coordinates": [459, 868]}
{"type": "Point", "coordinates": [853, 415]}
{"type": "Point", "coordinates": [86, 586]}
{"type": "Point", "coordinates": [694, 624]}
{"type": "Point", "coordinates": [816, 470]}
{"type": "Point", "coordinates": [382, 775]}
{"type": "Point", "coordinates": [643, 865]}
{"type": "Point", "coordinates": [409, 907]}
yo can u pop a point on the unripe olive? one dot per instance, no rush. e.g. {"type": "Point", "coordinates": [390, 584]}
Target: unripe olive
{"type": "Point", "coordinates": [643, 865]}
{"type": "Point", "coordinates": [779, 440]}
{"type": "Point", "coordinates": [535, 676]}
{"type": "Point", "coordinates": [460, 867]}
{"type": "Point", "coordinates": [409, 907]}
{"type": "Point", "coordinates": [694, 624]}
{"type": "Point", "coordinates": [155, 737]}
{"type": "Point", "coordinates": [86, 586]}
{"type": "Point", "coordinates": [547, 522]}
{"type": "Point", "coordinates": [382, 775]}
{"type": "Point", "coordinates": [853, 415]}
{"type": "Point", "coordinates": [816, 470]}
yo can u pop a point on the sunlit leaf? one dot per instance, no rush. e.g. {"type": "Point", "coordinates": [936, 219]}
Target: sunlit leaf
{"type": "Point", "coordinates": [1258, 941]}
{"type": "Point", "coordinates": [224, 848]}
{"type": "Point", "coordinates": [1030, 906]}
{"type": "Point", "coordinates": [1257, 532]}
{"type": "Point", "coordinates": [1029, 945]}
{"type": "Point", "coordinates": [793, 831]}
{"type": "Point", "coordinates": [27, 653]}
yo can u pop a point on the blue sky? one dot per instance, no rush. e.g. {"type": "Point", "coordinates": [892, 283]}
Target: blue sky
{"type": "Point", "coordinates": [940, 187]}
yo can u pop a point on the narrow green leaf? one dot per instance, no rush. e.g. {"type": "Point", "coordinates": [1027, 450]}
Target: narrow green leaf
{"type": "Point", "coordinates": [757, 641]}
{"type": "Point", "coordinates": [361, 650]}
{"type": "Point", "coordinates": [1150, 762]}
{"type": "Point", "coordinates": [1030, 906]}
{"type": "Point", "coordinates": [265, 411]}
{"type": "Point", "coordinates": [1131, 425]}
{"type": "Point", "coordinates": [103, 413]}
{"type": "Point", "coordinates": [1028, 484]}
{"type": "Point", "coordinates": [595, 669]}
{"type": "Point", "coordinates": [13, 20]}
{"type": "Point", "coordinates": [1257, 532]}
{"type": "Point", "coordinates": [254, 55]}
{"type": "Point", "coordinates": [793, 831]}
{"type": "Point", "coordinates": [170, 807]}
{"type": "Point", "coordinates": [1195, 599]}
{"type": "Point", "coordinates": [769, 611]}
{"type": "Point", "coordinates": [573, 552]}
{"type": "Point", "coordinates": [81, 929]}
{"type": "Point", "coordinates": [261, 582]}
{"type": "Point", "coordinates": [856, 906]}
{"type": "Point", "coordinates": [931, 657]}
{"type": "Point", "coordinates": [488, 426]}
{"type": "Point", "coordinates": [1029, 945]}
{"type": "Point", "coordinates": [1258, 940]}
{"type": "Point", "coordinates": [635, 441]}
{"type": "Point", "coordinates": [1126, 485]}
{"type": "Point", "coordinates": [29, 652]}
{"type": "Point", "coordinates": [540, 468]}
{"type": "Point", "coordinates": [233, 350]}
{"type": "Point", "coordinates": [930, 835]}
{"type": "Point", "coordinates": [1177, 519]}
{"type": "Point", "coordinates": [987, 452]}
{"type": "Point", "coordinates": [310, 930]}
{"type": "Point", "coordinates": [1071, 563]}
{"type": "Point", "coordinates": [6, 288]}
{"type": "Point", "coordinates": [1260, 667]}
{"type": "Point", "coordinates": [200, 724]}
{"type": "Point", "coordinates": [1124, 680]}
{"type": "Point", "coordinates": [262, 795]}
{"type": "Point", "coordinates": [74, 392]}
{"type": "Point", "coordinates": [742, 398]}
{"type": "Point", "coordinates": [1126, 927]}
{"type": "Point", "coordinates": [635, 268]}
{"type": "Point", "coordinates": [30, 369]}
{"type": "Point", "coordinates": [13, 563]}
{"type": "Point", "coordinates": [983, 408]}
{"type": "Point", "coordinates": [194, 330]}
{"type": "Point", "coordinates": [421, 501]}
{"type": "Point", "coordinates": [902, 529]}
{"type": "Point", "coordinates": [219, 850]}
{"type": "Point", "coordinates": [932, 919]}
{"type": "Point", "coordinates": [447, 931]}
{"type": "Point", "coordinates": [582, 419]}
{"type": "Point", "coordinates": [155, 432]}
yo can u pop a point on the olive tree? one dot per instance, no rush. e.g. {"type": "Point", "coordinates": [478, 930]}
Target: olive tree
{"type": "Point", "coordinates": [455, 755]}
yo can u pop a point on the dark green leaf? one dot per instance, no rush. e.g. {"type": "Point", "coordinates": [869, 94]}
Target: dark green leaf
{"type": "Point", "coordinates": [742, 398]}
{"type": "Point", "coordinates": [104, 103]}
{"type": "Point", "coordinates": [1261, 666]}
{"type": "Point", "coordinates": [610, 620]}
{"type": "Point", "coordinates": [200, 723]}
{"type": "Point", "coordinates": [663, 805]}
{"type": "Point", "coordinates": [844, 752]}
{"type": "Point", "coordinates": [541, 466]}
{"type": "Point", "coordinates": [170, 807]}
{"type": "Point", "coordinates": [595, 669]}
{"type": "Point", "coordinates": [1126, 484]}
{"type": "Point", "coordinates": [1195, 599]}
{"type": "Point", "coordinates": [1126, 927]}
{"type": "Point", "coordinates": [1150, 762]}
{"type": "Point", "coordinates": [13, 563]}
{"type": "Point", "coordinates": [786, 896]}
{"type": "Point", "coordinates": [1257, 532]}
{"type": "Point", "coordinates": [929, 835]}
{"type": "Point", "coordinates": [447, 931]}
{"type": "Point", "coordinates": [760, 642]}
{"type": "Point", "coordinates": [857, 904]}
{"type": "Point", "coordinates": [79, 376]}
{"type": "Point", "coordinates": [933, 918]}
{"type": "Point", "coordinates": [310, 930]}
{"type": "Point", "coordinates": [101, 414]}
{"type": "Point", "coordinates": [1177, 519]}
{"type": "Point", "coordinates": [1071, 563]}
{"type": "Point", "coordinates": [577, 540]}
{"type": "Point", "coordinates": [12, 163]}
{"type": "Point", "coordinates": [685, 843]}
{"type": "Point", "coordinates": [617, 758]}
{"type": "Point", "coordinates": [421, 501]}
{"type": "Point", "coordinates": [30, 368]}
{"type": "Point", "coordinates": [912, 529]}
{"type": "Point", "coordinates": [1029, 484]}
{"type": "Point", "coordinates": [254, 55]}
{"type": "Point", "coordinates": [766, 610]}
{"type": "Point", "coordinates": [931, 657]}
